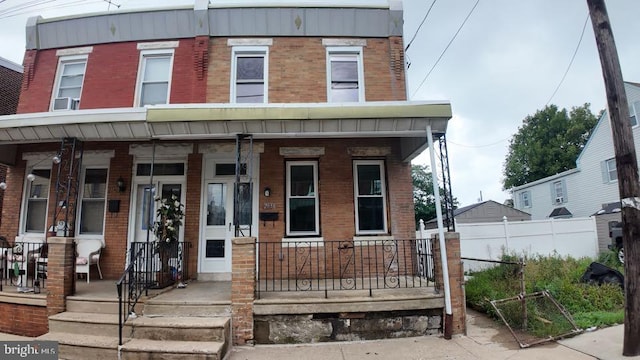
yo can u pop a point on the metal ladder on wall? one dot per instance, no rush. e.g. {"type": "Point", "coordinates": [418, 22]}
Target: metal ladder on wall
{"type": "Point", "coordinates": [69, 161]}
{"type": "Point", "coordinates": [243, 190]}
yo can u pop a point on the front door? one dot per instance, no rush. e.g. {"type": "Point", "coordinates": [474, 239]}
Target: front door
{"type": "Point", "coordinates": [215, 256]}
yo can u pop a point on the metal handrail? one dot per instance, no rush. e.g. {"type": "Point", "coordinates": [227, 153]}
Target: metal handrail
{"type": "Point", "coordinates": [134, 290]}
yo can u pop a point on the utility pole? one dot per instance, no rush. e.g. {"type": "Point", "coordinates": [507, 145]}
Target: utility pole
{"type": "Point", "coordinates": [627, 166]}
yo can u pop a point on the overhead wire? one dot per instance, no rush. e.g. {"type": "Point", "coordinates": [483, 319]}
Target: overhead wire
{"type": "Point", "coordinates": [419, 26]}
{"type": "Point", "coordinates": [43, 9]}
{"type": "Point", "coordinates": [447, 47]}
{"type": "Point", "coordinates": [575, 52]}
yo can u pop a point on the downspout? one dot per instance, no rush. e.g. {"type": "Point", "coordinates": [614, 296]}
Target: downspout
{"type": "Point", "coordinates": [448, 320]}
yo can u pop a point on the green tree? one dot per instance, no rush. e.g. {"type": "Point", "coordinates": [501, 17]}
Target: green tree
{"type": "Point", "coordinates": [423, 200]}
{"type": "Point", "coordinates": [547, 143]}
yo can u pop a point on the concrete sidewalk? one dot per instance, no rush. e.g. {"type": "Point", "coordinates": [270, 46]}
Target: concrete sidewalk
{"type": "Point", "coordinates": [485, 339]}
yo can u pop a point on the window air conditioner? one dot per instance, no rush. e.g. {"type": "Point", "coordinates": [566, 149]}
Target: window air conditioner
{"type": "Point", "coordinates": [559, 200]}
{"type": "Point", "coordinates": [66, 103]}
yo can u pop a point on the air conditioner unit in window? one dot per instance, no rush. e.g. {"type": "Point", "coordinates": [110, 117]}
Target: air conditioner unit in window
{"type": "Point", "coordinates": [66, 103]}
{"type": "Point", "coordinates": [559, 200]}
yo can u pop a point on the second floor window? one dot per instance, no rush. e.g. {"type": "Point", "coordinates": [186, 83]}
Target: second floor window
{"type": "Point", "coordinates": [154, 78]}
{"type": "Point", "coordinates": [249, 75]}
{"type": "Point", "coordinates": [345, 75]}
{"type": "Point", "coordinates": [525, 199]}
{"type": "Point", "coordinates": [69, 80]}
{"type": "Point", "coordinates": [610, 172]}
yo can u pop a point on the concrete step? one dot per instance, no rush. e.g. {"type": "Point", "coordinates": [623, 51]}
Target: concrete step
{"type": "Point", "coordinates": [74, 347]}
{"type": "Point", "coordinates": [144, 349]}
{"type": "Point", "coordinates": [202, 309]}
{"type": "Point", "coordinates": [193, 329]}
{"type": "Point", "coordinates": [104, 306]}
{"type": "Point", "coordinates": [84, 323]}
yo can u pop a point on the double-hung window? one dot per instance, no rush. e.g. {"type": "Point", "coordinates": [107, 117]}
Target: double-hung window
{"type": "Point", "coordinates": [370, 197]}
{"type": "Point", "coordinates": [94, 191]}
{"type": "Point", "coordinates": [634, 112]}
{"type": "Point", "coordinates": [558, 193]}
{"type": "Point", "coordinates": [345, 79]}
{"type": "Point", "coordinates": [68, 85]}
{"type": "Point", "coordinates": [302, 198]}
{"type": "Point", "coordinates": [37, 196]}
{"type": "Point", "coordinates": [525, 199]}
{"type": "Point", "coordinates": [610, 172]}
{"type": "Point", "coordinates": [154, 77]}
{"type": "Point", "coordinates": [249, 71]}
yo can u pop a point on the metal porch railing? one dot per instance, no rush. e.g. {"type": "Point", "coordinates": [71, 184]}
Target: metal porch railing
{"type": "Point", "coordinates": [344, 265]}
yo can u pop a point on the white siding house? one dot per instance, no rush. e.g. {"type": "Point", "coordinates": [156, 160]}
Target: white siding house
{"type": "Point", "coordinates": [581, 191]}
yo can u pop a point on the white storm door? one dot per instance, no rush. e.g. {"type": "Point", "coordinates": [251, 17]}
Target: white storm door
{"type": "Point", "coordinates": [215, 253]}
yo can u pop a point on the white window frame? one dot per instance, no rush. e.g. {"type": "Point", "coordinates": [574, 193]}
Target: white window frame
{"type": "Point", "coordinates": [344, 51]}
{"type": "Point", "coordinates": [249, 51]}
{"type": "Point", "coordinates": [611, 169]}
{"type": "Point", "coordinates": [383, 195]}
{"type": "Point", "coordinates": [62, 62]}
{"type": "Point", "coordinates": [145, 54]}
{"type": "Point", "coordinates": [290, 164]}
{"type": "Point", "coordinates": [81, 199]}
{"type": "Point", "coordinates": [634, 114]}
{"type": "Point", "coordinates": [558, 190]}
{"type": "Point", "coordinates": [25, 199]}
{"type": "Point", "coordinates": [525, 199]}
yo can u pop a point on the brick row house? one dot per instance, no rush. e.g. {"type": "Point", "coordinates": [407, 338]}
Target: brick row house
{"type": "Point", "coordinates": [283, 124]}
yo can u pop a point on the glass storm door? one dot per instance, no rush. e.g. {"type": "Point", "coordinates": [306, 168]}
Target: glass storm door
{"type": "Point", "coordinates": [146, 208]}
{"type": "Point", "coordinates": [215, 253]}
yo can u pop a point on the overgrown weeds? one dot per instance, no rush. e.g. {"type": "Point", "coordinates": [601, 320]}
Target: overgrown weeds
{"type": "Point", "coordinates": [590, 305]}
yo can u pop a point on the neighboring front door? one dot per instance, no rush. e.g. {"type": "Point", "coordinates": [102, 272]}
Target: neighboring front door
{"type": "Point", "coordinates": [146, 206]}
{"type": "Point", "coordinates": [215, 254]}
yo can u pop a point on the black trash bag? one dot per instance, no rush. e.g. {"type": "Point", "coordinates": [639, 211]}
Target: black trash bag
{"type": "Point", "coordinates": [598, 273]}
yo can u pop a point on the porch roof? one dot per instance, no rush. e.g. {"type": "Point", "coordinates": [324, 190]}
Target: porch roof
{"type": "Point", "coordinates": [399, 119]}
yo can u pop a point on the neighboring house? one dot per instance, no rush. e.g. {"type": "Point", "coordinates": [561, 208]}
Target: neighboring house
{"type": "Point", "coordinates": [286, 124]}
{"type": "Point", "coordinates": [482, 212]}
{"type": "Point", "coordinates": [589, 187]}
{"type": "Point", "coordinates": [10, 81]}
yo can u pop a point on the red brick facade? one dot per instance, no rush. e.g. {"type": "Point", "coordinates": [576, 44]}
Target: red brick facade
{"type": "Point", "coordinates": [10, 81]}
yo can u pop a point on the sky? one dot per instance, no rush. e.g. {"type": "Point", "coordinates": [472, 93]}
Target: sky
{"type": "Point", "coordinates": [504, 64]}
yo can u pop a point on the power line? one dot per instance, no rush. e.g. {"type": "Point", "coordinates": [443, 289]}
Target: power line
{"type": "Point", "coordinates": [419, 26]}
{"type": "Point", "coordinates": [446, 48]}
{"type": "Point", "coordinates": [570, 62]}
{"type": "Point", "coordinates": [479, 146]}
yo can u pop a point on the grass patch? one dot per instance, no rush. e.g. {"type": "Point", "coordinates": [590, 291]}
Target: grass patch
{"type": "Point", "coordinates": [589, 305]}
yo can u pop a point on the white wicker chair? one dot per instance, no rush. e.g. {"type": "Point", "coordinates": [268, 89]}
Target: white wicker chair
{"type": "Point", "coordinates": [88, 253]}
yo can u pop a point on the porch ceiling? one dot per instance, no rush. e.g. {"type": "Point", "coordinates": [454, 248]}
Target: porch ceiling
{"type": "Point", "coordinates": [407, 120]}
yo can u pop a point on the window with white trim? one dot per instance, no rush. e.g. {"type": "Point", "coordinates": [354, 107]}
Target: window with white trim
{"type": "Point", "coordinates": [525, 199]}
{"type": "Point", "coordinates": [92, 203]}
{"type": "Point", "coordinates": [302, 198]}
{"type": "Point", "coordinates": [611, 170]}
{"type": "Point", "coordinates": [345, 74]}
{"type": "Point", "coordinates": [37, 197]}
{"type": "Point", "coordinates": [558, 192]}
{"type": "Point", "coordinates": [154, 77]}
{"type": "Point", "coordinates": [370, 197]}
{"type": "Point", "coordinates": [68, 85]}
{"type": "Point", "coordinates": [633, 113]}
{"type": "Point", "coordinates": [249, 74]}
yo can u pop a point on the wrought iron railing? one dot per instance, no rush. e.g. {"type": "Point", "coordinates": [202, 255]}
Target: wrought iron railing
{"type": "Point", "coordinates": [344, 265]}
{"type": "Point", "coordinates": [151, 266]}
{"type": "Point", "coordinates": [24, 266]}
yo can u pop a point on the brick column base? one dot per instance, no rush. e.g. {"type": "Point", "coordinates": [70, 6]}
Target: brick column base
{"type": "Point", "coordinates": [243, 289]}
{"type": "Point", "coordinates": [455, 324]}
{"type": "Point", "coordinates": [61, 269]}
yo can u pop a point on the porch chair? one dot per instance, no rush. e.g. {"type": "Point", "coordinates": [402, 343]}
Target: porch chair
{"type": "Point", "coordinates": [87, 254]}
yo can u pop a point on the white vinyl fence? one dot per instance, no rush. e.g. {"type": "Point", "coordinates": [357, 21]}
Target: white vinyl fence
{"type": "Point", "coordinates": [576, 237]}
